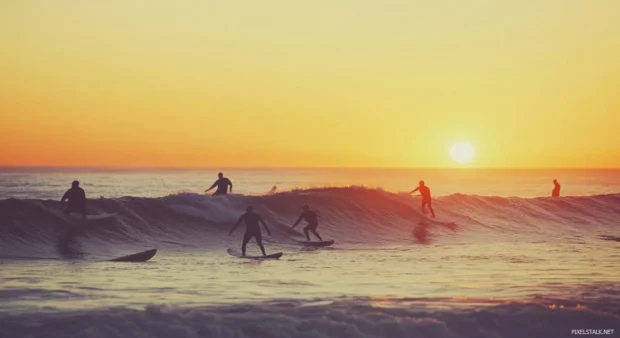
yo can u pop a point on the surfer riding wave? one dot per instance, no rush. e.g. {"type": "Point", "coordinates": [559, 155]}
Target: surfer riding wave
{"type": "Point", "coordinates": [222, 185]}
{"type": "Point", "coordinates": [313, 223]}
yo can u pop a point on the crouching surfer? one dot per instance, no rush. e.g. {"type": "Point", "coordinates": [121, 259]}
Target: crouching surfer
{"type": "Point", "coordinates": [313, 222]}
{"type": "Point", "coordinates": [77, 200]}
{"type": "Point", "coordinates": [252, 229]}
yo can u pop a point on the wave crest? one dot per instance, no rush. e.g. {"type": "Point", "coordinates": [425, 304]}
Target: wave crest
{"type": "Point", "coordinates": [352, 215]}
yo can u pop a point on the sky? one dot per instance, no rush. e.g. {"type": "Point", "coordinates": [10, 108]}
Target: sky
{"type": "Point", "coordinates": [280, 83]}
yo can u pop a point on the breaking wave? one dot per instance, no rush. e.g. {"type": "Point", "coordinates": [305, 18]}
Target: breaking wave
{"type": "Point", "coordinates": [352, 215]}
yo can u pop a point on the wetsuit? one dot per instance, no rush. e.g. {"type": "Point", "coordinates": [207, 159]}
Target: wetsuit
{"type": "Point", "coordinates": [556, 190]}
{"type": "Point", "coordinates": [313, 223]}
{"type": "Point", "coordinates": [252, 229]}
{"type": "Point", "coordinates": [310, 217]}
{"type": "Point", "coordinates": [77, 201]}
{"type": "Point", "coordinates": [222, 186]}
{"type": "Point", "coordinates": [426, 196]}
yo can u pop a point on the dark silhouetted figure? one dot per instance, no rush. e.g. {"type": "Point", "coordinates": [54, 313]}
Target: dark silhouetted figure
{"type": "Point", "coordinates": [313, 222]}
{"type": "Point", "coordinates": [273, 190]}
{"type": "Point", "coordinates": [222, 185]}
{"type": "Point", "coordinates": [252, 229]}
{"type": "Point", "coordinates": [77, 200]}
{"type": "Point", "coordinates": [426, 197]}
{"type": "Point", "coordinates": [556, 189]}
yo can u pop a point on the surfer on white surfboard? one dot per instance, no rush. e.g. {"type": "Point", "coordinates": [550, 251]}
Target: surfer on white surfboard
{"type": "Point", "coordinates": [222, 184]}
{"type": "Point", "coordinates": [426, 197]}
{"type": "Point", "coordinates": [313, 222]}
{"type": "Point", "coordinates": [77, 200]}
{"type": "Point", "coordinates": [252, 229]}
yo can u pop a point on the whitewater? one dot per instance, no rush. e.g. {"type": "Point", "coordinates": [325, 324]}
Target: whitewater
{"type": "Point", "coordinates": [492, 265]}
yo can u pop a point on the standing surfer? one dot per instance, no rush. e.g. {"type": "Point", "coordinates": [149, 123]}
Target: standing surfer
{"type": "Point", "coordinates": [77, 200]}
{"type": "Point", "coordinates": [556, 189]}
{"type": "Point", "coordinates": [222, 185]}
{"type": "Point", "coordinates": [252, 229]}
{"type": "Point", "coordinates": [426, 197]}
{"type": "Point", "coordinates": [313, 223]}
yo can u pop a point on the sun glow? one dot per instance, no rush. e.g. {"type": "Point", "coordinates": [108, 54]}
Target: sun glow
{"type": "Point", "coordinates": [163, 84]}
{"type": "Point", "coordinates": [463, 152]}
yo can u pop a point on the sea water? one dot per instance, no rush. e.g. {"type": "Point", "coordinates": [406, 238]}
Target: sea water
{"type": "Point", "coordinates": [501, 260]}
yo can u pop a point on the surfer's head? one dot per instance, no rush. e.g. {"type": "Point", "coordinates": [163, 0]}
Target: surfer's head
{"type": "Point", "coordinates": [249, 208]}
{"type": "Point", "coordinates": [75, 184]}
{"type": "Point", "coordinates": [220, 175]}
{"type": "Point", "coordinates": [421, 183]}
{"type": "Point", "coordinates": [306, 207]}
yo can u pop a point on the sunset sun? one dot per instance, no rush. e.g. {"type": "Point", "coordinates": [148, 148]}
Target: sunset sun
{"type": "Point", "coordinates": [463, 152]}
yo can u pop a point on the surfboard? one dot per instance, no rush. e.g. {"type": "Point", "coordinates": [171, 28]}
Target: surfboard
{"type": "Point", "coordinates": [137, 257]}
{"type": "Point", "coordinates": [92, 217]}
{"type": "Point", "coordinates": [312, 243]}
{"type": "Point", "coordinates": [438, 221]}
{"type": "Point", "coordinates": [238, 254]}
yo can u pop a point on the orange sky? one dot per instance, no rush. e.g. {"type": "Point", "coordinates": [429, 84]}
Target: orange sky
{"type": "Point", "coordinates": [316, 83]}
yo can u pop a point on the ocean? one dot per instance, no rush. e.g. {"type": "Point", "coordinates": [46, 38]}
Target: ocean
{"type": "Point", "coordinates": [502, 258]}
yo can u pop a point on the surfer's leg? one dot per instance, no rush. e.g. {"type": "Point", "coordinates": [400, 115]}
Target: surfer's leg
{"type": "Point", "coordinates": [313, 229]}
{"type": "Point", "coordinates": [246, 239]}
{"type": "Point", "coordinates": [259, 241]}
{"type": "Point", "coordinates": [306, 232]}
{"type": "Point", "coordinates": [83, 212]}
{"type": "Point", "coordinates": [317, 235]}
{"type": "Point", "coordinates": [430, 207]}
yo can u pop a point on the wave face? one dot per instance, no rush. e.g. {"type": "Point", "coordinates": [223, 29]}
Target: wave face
{"type": "Point", "coordinates": [352, 216]}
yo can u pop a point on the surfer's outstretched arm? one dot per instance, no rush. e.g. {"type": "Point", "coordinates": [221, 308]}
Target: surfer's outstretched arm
{"type": "Point", "coordinates": [298, 220]}
{"type": "Point", "coordinates": [414, 190]}
{"type": "Point", "coordinates": [213, 186]}
{"type": "Point", "coordinates": [230, 183]}
{"type": "Point", "coordinates": [264, 225]}
{"type": "Point", "coordinates": [236, 225]}
{"type": "Point", "coordinates": [64, 197]}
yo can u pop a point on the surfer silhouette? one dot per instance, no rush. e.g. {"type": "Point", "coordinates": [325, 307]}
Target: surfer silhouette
{"type": "Point", "coordinates": [313, 223]}
{"type": "Point", "coordinates": [556, 189]}
{"type": "Point", "coordinates": [273, 190]}
{"type": "Point", "coordinates": [426, 197]}
{"type": "Point", "coordinates": [222, 184]}
{"type": "Point", "coordinates": [77, 200]}
{"type": "Point", "coordinates": [252, 229]}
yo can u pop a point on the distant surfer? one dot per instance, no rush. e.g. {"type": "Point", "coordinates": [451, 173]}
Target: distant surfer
{"type": "Point", "coordinates": [222, 185]}
{"type": "Point", "coordinates": [426, 197]}
{"type": "Point", "coordinates": [252, 229]}
{"type": "Point", "coordinates": [556, 189]}
{"type": "Point", "coordinates": [313, 223]}
{"type": "Point", "coordinates": [273, 190]}
{"type": "Point", "coordinates": [77, 200]}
